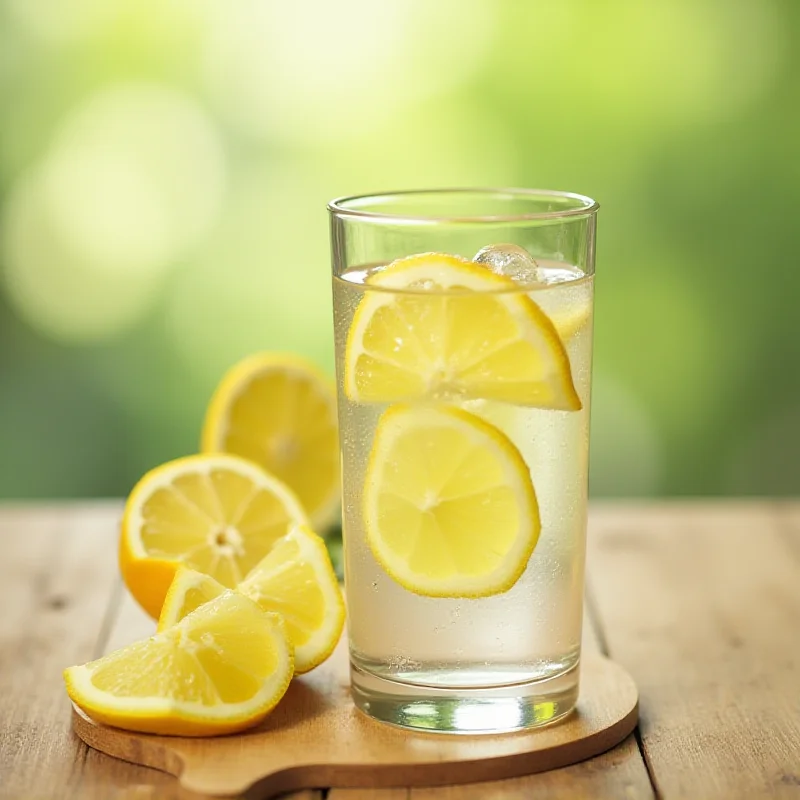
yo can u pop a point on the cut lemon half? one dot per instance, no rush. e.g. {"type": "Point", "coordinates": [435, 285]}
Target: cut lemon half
{"type": "Point", "coordinates": [449, 506]}
{"type": "Point", "coordinates": [216, 513]}
{"type": "Point", "coordinates": [220, 670]}
{"type": "Point", "coordinates": [295, 579]}
{"type": "Point", "coordinates": [441, 327]}
{"type": "Point", "coordinates": [280, 411]}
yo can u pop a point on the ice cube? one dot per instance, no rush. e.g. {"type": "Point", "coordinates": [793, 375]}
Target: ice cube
{"type": "Point", "coordinates": [510, 260]}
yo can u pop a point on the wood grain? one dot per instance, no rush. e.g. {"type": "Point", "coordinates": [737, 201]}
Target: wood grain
{"type": "Point", "coordinates": [375, 794]}
{"type": "Point", "coordinates": [701, 602]}
{"type": "Point", "coordinates": [56, 576]}
{"type": "Point", "coordinates": [104, 777]}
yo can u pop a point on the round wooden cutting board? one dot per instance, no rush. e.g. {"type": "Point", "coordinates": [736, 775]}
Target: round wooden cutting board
{"type": "Point", "coordinates": [316, 737]}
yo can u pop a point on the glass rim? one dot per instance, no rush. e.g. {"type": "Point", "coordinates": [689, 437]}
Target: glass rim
{"type": "Point", "coordinates": [587, 206]}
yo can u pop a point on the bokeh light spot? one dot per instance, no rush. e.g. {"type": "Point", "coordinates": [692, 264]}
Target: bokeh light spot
{"type": "Point", "coordinates": [132, 181]}
{"type": "Point", "coordinates": [283, 71]}
{"type": "Point", "coordinates": [52, 288]}
{"type": "Point", "coordinates": [459, 147]}
{"type": "Point", "coordinates": [136, 176]}
{"type": "Point", "coordinates": [66, 20]}
{"type": "Point", "coordinates": [634, 67]}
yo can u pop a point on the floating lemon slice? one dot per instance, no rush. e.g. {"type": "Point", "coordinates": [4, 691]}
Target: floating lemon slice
{"type": "Point", "coordinates": [280, 411]}
{"type": "Point", "coordinates": [220, 670]}
{"type": "Point", "coordinates": [441, 327]}
{"type": "Point", "coordinates": [216, 513]}
{"type": "Point", "coordinates": [295, 579]}
{"type": "Point", "coordinates": [449, 507]}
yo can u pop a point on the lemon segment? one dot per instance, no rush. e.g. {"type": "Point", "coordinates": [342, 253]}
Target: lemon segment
{"type": "Point", "coordinates": [188, 591]}
{"type": "Point", "coordinates": [443, 328]}
{"type": "Point", "coordinates": [295, 579]}
{"type": "Point", "coordinates": [279, 411]}
{"type": "Point", "coordinates": [449, 507]}
{"type": "Point", "coordinates": [218, 514]}
{"type": "Point", "coordinates": [220, 670]}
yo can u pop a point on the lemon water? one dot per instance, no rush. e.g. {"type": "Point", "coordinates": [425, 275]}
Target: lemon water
{"type": "Point", "coordinates": [427, 655]}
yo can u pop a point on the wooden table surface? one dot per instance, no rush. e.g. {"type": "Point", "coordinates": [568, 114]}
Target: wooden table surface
{"type": "Point", "coordinates": [699, 600]}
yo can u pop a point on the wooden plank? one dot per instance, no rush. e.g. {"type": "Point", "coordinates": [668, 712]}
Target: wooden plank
{"type": "Point", "coordinates": [59, 566]}
{"type": "Point", "coordinates": [104, 777]}
{"type": "Point", "coordinates": [701, 602]}
{"type": "Point", "coordinates": [57, 580]}
{"type": "Point", "coordinates": [619, 774]}
{"type": "Point", "coordinates": [616, 775]}
{"type": "Point", "coordinates": [56, 577]}
{"type": "Point", "coordinates": [369, 794]}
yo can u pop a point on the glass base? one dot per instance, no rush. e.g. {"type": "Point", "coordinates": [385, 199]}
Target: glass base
{"type": "Point", "coordinates": [500, 709]}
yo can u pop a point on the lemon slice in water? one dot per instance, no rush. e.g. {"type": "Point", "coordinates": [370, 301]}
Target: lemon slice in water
{"type": "Point", "coordinates": [441, 327]}
{"type": "Point", "coordinates": [449, 507]}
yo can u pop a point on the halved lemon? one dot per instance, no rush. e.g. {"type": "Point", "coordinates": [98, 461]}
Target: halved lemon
{"type": "Point", "coordinates": [295, 579]}
{"type": "Point", "coordinates": [216, 513]}
{"type": "Point", "coordinates": [279, 410]}
{"type": "Point", "coordinates": [220, 670]}
{"type": "Point", "coordinates": [440, 327]}
{"type": "Point", "coordinates": [449, 506]}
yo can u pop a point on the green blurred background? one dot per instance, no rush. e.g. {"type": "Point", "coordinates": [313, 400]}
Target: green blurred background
{"type": "Point", "coordinates": [164, 168]}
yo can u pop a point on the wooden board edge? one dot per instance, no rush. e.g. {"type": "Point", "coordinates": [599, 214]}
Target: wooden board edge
{"type": "Point", "coordinates": [145, 751]}
{"type": "Point", "coordinates": [431, 774]}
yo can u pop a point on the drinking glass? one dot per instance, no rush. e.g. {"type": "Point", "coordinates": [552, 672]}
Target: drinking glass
{"type": "Point", "coordinates": [463, 334]}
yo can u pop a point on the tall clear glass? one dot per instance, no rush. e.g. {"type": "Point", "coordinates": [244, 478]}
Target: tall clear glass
{"type": "Point", "coordinates": [463, 329]}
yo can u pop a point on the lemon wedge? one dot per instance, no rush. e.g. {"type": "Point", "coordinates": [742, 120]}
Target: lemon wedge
{"type": "Point", "coordinates": [216, 513]}
{"type": "Point", "coordinates": [439, 327]}
{"type": "Point", "coordinates": [295, 579]}
{"type": "Point", "coordinates": [220, 670]}
{"type": "Point", "coordinates": [279, 410]}
{"type": "Point", "coordinates": [449, 507]}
